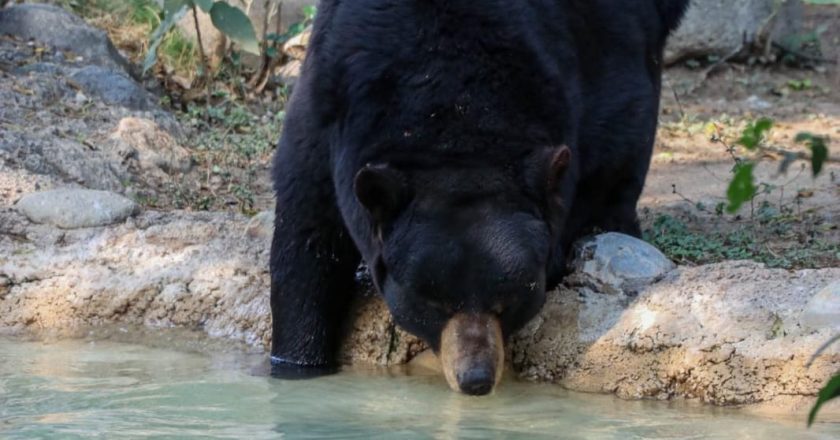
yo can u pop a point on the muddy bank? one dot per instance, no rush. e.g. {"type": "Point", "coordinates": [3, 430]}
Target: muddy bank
{"type": "Point", "coordinates": [732, 333]}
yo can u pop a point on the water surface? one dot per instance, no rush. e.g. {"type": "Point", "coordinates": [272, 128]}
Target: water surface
{"type": "Point", "coordinates": [89, 387]}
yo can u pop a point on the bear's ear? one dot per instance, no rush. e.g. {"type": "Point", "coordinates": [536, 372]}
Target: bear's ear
{"type": "Point", "coordinates": [544, 169]}
{"type": "Point", "coordinates": [560, 158]}
{"type": "Point", "coordinates": [381, 190]}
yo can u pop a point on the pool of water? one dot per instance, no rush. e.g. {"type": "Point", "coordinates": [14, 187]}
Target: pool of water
{"type": "Point", "coordinates": [88, 387]}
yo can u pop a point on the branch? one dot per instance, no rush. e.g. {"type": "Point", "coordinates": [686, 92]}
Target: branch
{"type": "Point", "coordinates": [204, 62]}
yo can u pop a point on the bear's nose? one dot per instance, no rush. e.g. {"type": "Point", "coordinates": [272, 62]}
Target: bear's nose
{"type": "Point", "coordinates": [476, 381]}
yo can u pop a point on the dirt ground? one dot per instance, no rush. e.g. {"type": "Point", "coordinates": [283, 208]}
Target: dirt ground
{"type": "Point", "coordinates": [797, 218]}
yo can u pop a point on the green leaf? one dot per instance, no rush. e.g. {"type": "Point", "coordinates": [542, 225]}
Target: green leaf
{"type": "Point", "coordinates": [273, 37]}
{"type": "Point", "coordinates": [803, 136]}
{"type": "Point", "coordinates": [236, 25]}
{"type": "Point", "coordinates": [754, 133]}
{"type": "Point", "coordinates": [173, 7]}
{"type": "Point", "coordinates": [742, 188]}
{"type": "Point", "coordinates": [819, 150]}
{"type": "Point", "coordinates": [205, 5]}
{"type": "Point", "coordinates": [169, 21]}
{"type": "Point", "coordinates": [309, 12]}
{"type": "Point", "coordinates": [819, 153]}
{"type": "Point", "coordinates": [831, 390]}
{"type": "Point", "coordinates": [295, 29]}
{"type": "Point", "coordinates": [763, 125]}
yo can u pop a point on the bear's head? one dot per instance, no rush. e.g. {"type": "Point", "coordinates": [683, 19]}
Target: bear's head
{"type": "Point", "coordinates": [461, 253]}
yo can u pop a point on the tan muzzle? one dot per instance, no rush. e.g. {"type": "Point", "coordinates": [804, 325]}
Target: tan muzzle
{"type": "Point", "coordinates": [472, 353]}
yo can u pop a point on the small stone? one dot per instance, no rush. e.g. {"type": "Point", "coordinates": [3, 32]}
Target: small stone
{"type": "Point", "coordinates": [756, 103]}
{"type": "Point", "coordinates": [81, 98]}
{"type": "Point", "coordinates": [823, 310]}
{"type": "Point", "coordinates": [76, 208]}
{"type": "Point", "coordinates": [621, 262]}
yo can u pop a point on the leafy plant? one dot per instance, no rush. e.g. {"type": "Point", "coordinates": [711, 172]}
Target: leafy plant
{"type": "Point", "coordinates": [819, 150]}
{"type": "Point", "coordinates": [799, 86]}
{"type": "Point", "coordinates": [687, 245]}
{"type": "Point", "coordinates": [753, 139]}
{"type": "Point", "coordinates": [228, 19]}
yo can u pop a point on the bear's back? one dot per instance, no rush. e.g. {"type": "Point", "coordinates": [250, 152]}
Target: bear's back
{"type": "Point", "coordinates": [458, 77]}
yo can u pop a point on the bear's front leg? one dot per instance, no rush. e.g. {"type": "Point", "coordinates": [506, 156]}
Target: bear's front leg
{"type": "Point", "coordinates": [313, 263]}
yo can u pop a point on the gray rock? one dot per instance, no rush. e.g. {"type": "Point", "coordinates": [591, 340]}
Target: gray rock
{"type": "Point", "coordinates": [756, 103]}
{"type": "Point", "coordinates": [823, 310]}
{"type": "Point", "coordinates": [715, 332]}
{"type": "Point", "coordinates": [619, 262]}
{"type": "Point", "coordinates": [59, 134]}
{"type": "Point", "coordinates": [58, 28]}
{"type": "Point", "coordinates": [721, 27]}
{"type": "Point", "coordinates": [261, 225]}
{"type": "Point", "coordinates": [46, 154]}
{"type": "Point", "coordinates": [153, 147]}
{"type": "Point", "coordinates": [113, 88]}
{"type": "Point", "coordinates": [45, 68]}
{"type": "Point", "coordinates": [76, 208]}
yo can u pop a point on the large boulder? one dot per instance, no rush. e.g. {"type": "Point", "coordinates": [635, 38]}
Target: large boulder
{"type": "Point", "coordinates": [724, 27]}
{"type": "Point", "coordinates": [823, 310]}
{"type": "Point", "coordinates": [729, 333]}
{"type": "Point", "coordinates": [53, 26]}
{"type": "Point", "coordinates": [70, 124]}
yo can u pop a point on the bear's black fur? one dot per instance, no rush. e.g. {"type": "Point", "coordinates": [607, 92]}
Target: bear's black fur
{"type": "Point", "coordinates": [459, 147]}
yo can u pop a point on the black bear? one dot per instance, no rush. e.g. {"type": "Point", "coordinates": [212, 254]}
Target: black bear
{"type": "Point", "coordinates": [459, 147]}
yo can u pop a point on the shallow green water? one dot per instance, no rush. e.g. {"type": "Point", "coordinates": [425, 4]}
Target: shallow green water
{"type": "Point", "coordinates": [106, 389]}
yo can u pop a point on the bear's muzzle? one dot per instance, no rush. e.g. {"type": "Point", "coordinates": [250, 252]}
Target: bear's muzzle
{"type": "Point", "coordinates": [472, 353]}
